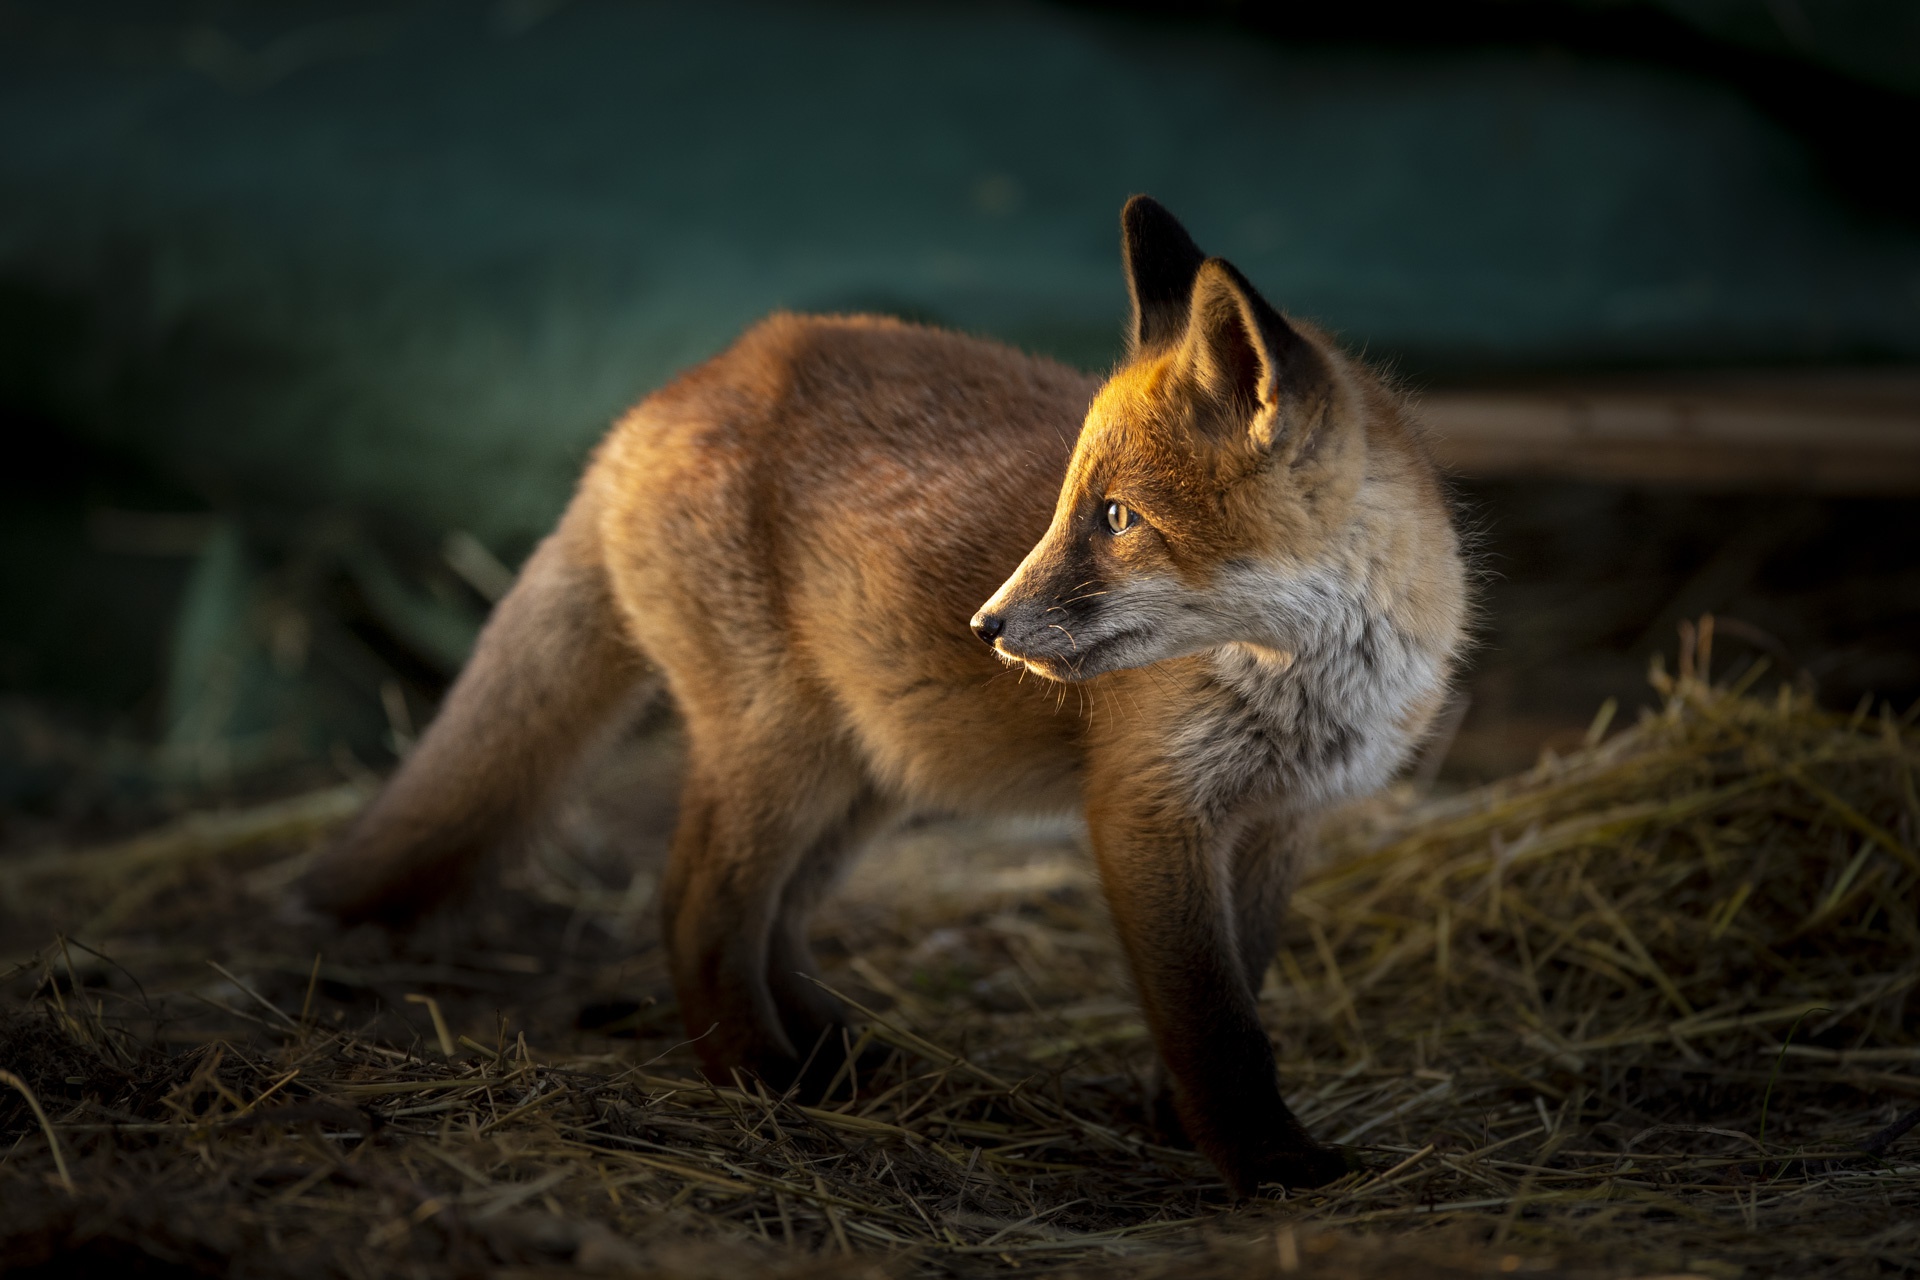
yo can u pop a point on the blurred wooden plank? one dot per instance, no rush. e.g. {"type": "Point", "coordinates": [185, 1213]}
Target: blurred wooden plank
{"type": "Point", "coordinates": [1829, 431]}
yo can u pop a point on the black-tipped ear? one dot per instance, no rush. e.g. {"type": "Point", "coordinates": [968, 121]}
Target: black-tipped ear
{"type": "Point", "coordinates": [1162, 260]}
{"type": "Point", "coordinates": [1246, 354]}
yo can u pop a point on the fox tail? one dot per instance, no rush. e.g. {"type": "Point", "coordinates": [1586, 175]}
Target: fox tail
{"type": "Point", "coordinates": [552, 670]}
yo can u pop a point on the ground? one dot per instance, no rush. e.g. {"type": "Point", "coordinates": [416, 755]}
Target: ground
{"type": "Point", "coordinates": [1640, 1011]}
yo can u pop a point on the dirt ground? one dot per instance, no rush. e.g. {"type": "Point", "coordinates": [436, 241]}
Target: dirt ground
{"type": "Point", "coordinates": [1641, 1055]}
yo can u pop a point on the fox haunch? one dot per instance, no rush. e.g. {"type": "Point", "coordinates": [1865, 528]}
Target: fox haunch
{"type": "Point", "coordinates": [1236, 549]}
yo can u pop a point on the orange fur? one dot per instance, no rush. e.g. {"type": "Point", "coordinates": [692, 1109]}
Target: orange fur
{"type": "Point", "coordinates": [793, 536]}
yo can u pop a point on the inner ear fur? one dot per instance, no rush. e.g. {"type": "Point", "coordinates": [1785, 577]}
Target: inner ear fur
{"type": "Point", "coordinates": [1244, 354]}
{"type": "Point", "coordinates": [1161, 261]}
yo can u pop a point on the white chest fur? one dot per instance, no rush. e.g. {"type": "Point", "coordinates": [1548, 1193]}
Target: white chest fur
{"type": "Point", "coordinates": [1330, 716]}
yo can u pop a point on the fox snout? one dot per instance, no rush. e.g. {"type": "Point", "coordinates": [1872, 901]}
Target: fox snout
{"type": "Point", "coordinates": [1046, 649]}
{"type": "Point", "coordinates": [1046, 631]}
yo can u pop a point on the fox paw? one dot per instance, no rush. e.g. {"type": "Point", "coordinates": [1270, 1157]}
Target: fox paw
{"type": "Point", "coordinates": [1296, 1169]}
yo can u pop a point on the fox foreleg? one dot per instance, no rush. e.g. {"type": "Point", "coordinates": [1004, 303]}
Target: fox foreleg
{"type": "Point", "coordinates": [1266, 864]}
{"type": "Point", "coordinates": [1169, 877]}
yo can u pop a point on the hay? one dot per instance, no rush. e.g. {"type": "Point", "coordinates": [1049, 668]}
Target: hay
{"type": "Point", "coordinates": [1643, 1009]}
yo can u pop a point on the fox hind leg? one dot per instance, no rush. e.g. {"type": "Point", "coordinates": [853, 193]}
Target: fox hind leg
{"type": "Point", "coordinates": [748, 829]}
{"type": "Point", "coordinates": [815, 1021]}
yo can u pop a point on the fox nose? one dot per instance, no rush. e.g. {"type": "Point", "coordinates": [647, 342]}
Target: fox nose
{"type": "Point", "coordinates": [988, 626]}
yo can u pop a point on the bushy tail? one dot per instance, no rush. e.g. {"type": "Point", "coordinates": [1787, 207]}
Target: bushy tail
{"type": "Point", "coordinates": [551, 670]}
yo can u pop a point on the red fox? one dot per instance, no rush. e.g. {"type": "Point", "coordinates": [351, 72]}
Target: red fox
{"type": "Point", "coordinates": [1236, 548]}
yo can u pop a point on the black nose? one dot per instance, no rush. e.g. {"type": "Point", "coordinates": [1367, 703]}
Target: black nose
{"type": "Point", "coordinates": [988, 626]}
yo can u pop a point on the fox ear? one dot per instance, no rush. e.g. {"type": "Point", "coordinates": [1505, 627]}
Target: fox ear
{"type": "Point", "coordinates": [1161, 262]}
{"type": "Point", "coordinates": [1248, 357]}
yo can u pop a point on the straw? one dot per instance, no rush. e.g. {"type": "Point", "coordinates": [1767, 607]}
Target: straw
{"type": "Point", "coordinates": [1646, 1009]}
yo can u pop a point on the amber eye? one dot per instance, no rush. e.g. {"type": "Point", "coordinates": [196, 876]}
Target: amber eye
{"type": "Point", "coordinates": [1121, 517]}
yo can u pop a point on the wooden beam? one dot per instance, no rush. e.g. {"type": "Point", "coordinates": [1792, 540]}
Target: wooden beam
{"type": "Point", "coordinates": [1826, 431]}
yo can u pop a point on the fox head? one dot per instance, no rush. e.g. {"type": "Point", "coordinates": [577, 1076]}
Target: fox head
{"type": "Point", "coordinates": [1216, 467]}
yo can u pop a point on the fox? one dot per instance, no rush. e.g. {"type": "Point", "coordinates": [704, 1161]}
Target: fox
{"type": "Point", "coordinates": [869, 560]}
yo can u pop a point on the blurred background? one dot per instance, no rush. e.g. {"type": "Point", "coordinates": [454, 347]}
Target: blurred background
{"type": "Point", "coordinates": [309, 314]}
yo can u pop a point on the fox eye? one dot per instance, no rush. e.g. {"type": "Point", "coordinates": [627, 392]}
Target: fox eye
{"type": "Point", "coordinates": [1121, 517]}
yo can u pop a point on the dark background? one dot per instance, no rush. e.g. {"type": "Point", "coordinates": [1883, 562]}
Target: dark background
{"type": "Point", "coordinates": [309, 313]}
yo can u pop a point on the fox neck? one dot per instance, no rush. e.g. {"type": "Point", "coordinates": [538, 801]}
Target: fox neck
{"type": "Point", "coordinates": [1339, 679]}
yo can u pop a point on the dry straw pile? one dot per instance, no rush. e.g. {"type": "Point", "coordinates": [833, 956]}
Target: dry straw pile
{"type": "Point", "coordinates": [1647, 1009]}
